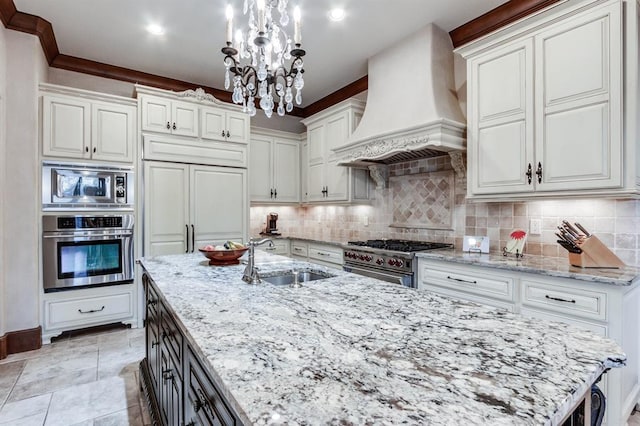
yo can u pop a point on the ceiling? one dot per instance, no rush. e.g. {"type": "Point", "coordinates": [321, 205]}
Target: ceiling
{"type": "Point", "coordinates": [113, 32]}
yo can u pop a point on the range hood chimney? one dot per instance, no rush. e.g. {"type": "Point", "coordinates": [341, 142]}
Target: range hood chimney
{"type": "Point", "coordinates": [412, 110]}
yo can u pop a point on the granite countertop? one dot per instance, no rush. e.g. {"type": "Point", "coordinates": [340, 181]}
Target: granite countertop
{"type": "Point", "coordinates": [356, 350]}
{"type": "Point", "coordinates": [543, 265]}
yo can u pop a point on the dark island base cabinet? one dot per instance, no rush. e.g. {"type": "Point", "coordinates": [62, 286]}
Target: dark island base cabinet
{"type": "Point", "coordinates": [178, 389]}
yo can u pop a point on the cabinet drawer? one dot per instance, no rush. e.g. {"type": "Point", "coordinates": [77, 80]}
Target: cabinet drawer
{"type": "Point", "coordinates": [280, 247]}
{"type": "Point", "coordinates": [566, 300]}
{"type": "Point", "coordinates": [87, 311]}
{"type": "Point", "coordinates": [490, 286]}
{"type": "Point", "coordinates": [299, 249]}
{"type": "Point", "coordinates": [171, 337]}
{"type": "Point", "coordinates": [325, 254]}
{"type": "Point", "coordinates": [153, 302]}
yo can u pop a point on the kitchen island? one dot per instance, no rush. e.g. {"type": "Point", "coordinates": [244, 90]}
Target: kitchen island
{"type": "Point", "coordinates": [351, 349]}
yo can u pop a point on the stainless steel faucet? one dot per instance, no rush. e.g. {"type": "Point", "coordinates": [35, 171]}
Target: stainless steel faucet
{"type": "Point", "coordinates": [251, 275]}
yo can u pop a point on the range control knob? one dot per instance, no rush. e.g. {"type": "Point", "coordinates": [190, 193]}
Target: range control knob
{"type": "Point", "coordinates": [399, 263]}
{"type": "Point", "coordinates": [380, 261]}
{"type": "Point", "coordinates": [368, 258]}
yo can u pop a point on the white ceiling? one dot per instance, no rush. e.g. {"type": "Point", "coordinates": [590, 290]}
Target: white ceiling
{"type": "Point", "coordinates": [113, 32]}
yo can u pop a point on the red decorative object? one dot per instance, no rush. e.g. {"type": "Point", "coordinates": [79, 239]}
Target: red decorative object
{"type": "Point", "coordinates": [518, 234]}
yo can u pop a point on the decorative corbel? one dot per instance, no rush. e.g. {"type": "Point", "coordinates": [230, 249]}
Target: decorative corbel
{"type": "Point", "coordinates": [380, 174]}
{"type": "Point", "coordinates": [457, 162]}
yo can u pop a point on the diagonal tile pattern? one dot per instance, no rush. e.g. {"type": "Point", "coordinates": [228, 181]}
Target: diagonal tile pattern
{"type": "Point", "coordinates": [89, 380]}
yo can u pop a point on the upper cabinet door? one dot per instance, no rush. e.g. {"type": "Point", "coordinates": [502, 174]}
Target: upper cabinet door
{"type": "Point", "coordinates": [337, 133]}
{"type": "Point", "coordinates": [286, 171]}
{"type": "Point", "coordinates": [213, 124]}
{"type": "Point", "coordinates": [260, 169]}
{"type": "Point", "coordinates": [184, 119]}
{"type": "Point", "coordinates": [156, 114]}
{"type": "Point", "coordinates": [316, 144]}
{"type": "Point", "coordinates": [501, 120]}
{"type": "Point", "coordinates": [578, 102]}
{"type": "Point", "coordinates": [113, 132]}
{"type": "Point", "coordinates": [66, 125]}
{"type": "Point", "coordinates": [237, 127]}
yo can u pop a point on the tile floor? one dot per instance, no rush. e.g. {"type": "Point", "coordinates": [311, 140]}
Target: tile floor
{"type": "Point", "coordinates": [89, 380]}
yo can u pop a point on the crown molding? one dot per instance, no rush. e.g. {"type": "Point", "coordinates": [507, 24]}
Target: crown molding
{"type": "Point", "coordinates": [497, 18]}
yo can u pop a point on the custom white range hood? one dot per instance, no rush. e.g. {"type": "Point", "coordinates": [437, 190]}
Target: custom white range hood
{"type": "Point", "coordinates": [412, 109]}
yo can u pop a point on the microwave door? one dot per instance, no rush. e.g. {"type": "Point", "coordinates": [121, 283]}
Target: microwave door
{"type": "Point", "coordinates": [85, 187]}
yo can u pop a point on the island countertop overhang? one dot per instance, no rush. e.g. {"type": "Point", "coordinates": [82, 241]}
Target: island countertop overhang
{"type": "Point", "coordinates": [356, 349]}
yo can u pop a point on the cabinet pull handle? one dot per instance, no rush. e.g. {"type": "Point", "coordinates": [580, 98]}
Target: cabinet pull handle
{"type": "Point", "coordinates": [529, 174]}
{"type": "Point", "coordinates": [205, 402]}
{"type": "Point", "coordinates": [193, 238]}
{"type": "Point", "coordinates": [168, 125]}
{"type": "Point", "coordinates": [461, 280]}
{"type": "Point", "coordinates": [167, 374]}
{"type": "Point", "coordinates": [297, 249]}
{"type": "Point", "coordinates": [152, 302]}
{"type": "Point", "coordinates": [186, 236]}
{"type": "Point", "coordinates": [271, 192]}
{"type": "Point", "coordinates": [91, 311]}
{"type": "Point", "coordinates": [323, 254]}
{"type": "Point", "coordinates": [197, 404]}
{"type": "Point", "coordinates": [174, 126]}
{"type": "Point", "coordinates": [86, 149]}
{"type": "Point", "coordinates": [539, 172]}
{"type": "Point", "coordinates": [228, 134]}
{"type": "Point", "coordinates": [558, 299]}
{"type": "Point", "coordinates": [275, 193]}
{"type": "Point", "coordinates": [94, 149]}
{"type": "Point", "coordinates": [222, 134]}
{"type": "Point", "coordinates": [154, 344]}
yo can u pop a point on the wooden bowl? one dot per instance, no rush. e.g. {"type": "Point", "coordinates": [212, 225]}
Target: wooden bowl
{"type": "Point", "coordinates": [224, 257]}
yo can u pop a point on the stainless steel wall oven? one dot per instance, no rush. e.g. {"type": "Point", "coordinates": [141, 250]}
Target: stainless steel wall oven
{"type": "Point", "coordinates": [86, 251]}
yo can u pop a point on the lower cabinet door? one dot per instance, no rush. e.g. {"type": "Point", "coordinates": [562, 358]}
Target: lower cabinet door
{"type": "Point", "coordinates": [204, 405]}
{"type": "Point", "coordinates": [170, 390]}
{"type": "Point", "coordinates": [153, 351]}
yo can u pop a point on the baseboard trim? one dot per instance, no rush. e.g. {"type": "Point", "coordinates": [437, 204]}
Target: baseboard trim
{"type": "Point", "coordinates": [14, 342]}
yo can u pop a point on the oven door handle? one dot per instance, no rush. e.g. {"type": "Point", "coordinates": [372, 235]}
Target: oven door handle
{"type": "Point", "coordinates": [402, 279]}
{"type": "Point", "coordinates": [85, 236]}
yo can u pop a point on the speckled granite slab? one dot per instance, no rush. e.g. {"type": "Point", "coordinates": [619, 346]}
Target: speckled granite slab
{"type": "Point", "coordinates": [355, 350]}
{"type": "Point", "coordinates": [551, 266]}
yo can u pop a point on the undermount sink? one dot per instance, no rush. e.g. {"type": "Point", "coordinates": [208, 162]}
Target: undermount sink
{"type": "Point", "coordinates": [303, 277]}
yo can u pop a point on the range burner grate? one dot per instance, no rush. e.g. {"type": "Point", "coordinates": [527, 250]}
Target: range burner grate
{"type": "Point", "coordinates": [401, 245]}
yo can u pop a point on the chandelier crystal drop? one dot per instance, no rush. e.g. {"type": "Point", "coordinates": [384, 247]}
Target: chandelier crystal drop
{"type": "Point", "coordinates": [257, 61]}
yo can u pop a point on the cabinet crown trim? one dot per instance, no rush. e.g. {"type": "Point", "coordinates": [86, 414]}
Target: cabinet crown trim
{"type": "Point", "coordinates": [196, 96]}
{"type": "Point", "coordinates": [49, 89]}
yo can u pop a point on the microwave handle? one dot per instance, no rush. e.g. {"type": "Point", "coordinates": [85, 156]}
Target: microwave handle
{"type": "Point", "coordinates": [187, 237]}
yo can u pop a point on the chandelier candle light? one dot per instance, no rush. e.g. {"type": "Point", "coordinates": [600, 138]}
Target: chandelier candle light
{"type": "Point", "coordinates": [268, 48]}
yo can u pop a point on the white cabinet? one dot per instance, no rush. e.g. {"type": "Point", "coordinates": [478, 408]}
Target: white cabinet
{"type": "Point", "coordinates": [76, 309]}
{"type": "Point", "coordinates": [279, 246]}
{"type": "Point", "coordinates": [188, 206]}
{"type": "Point", "coordinates": [316, 252]}
{"type": "Point", "coordinates": [274, 167]}
{"type": "Point", "coordinates": [165, 115]}
{"type": "Point", "coordinates": [604, 309]}
{"type": "Point", "coordinates": [545, 107]}
{"type": "Point", "coordinates": [299, 249]}
{"type": "Point", "coordinates": [85, 125]}
{"type": "Point", "coordinates": [327, 130]}
{"type": "Point", "coordinates": [224, 125]}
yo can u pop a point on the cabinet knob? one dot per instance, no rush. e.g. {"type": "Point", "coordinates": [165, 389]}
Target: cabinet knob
{"type": "Point", "coordinates": [94, 149]}
{"type": "Point", "coordinates": [228, 134]}
{"type": "Point", "coordinates": [167, 374]}
{"type": "Point", "coordinates": [539, 172]}
{"type": "Point", "coordinates": [529, 174]}
{"type": "Point", "coordinates": [174, 126]}
{"type": "Point", "coordinates": [222, 134]}
{"type": "Point", "coordinates": [86, 149]}
{"type": "Point", "coordinates": [168, 125]}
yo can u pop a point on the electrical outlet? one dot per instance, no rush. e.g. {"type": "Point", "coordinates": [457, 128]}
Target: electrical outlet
{"type": "Point", "coordinates": [535, 226]}
{"type": "Point", "coordinates": [365, 220]}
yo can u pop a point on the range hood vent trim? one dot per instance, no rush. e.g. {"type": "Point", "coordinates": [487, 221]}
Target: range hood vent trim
{"type": "Point", "coordinates": [415, 118]}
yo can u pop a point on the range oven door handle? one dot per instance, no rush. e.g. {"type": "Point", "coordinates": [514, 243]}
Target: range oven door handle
{"type": "Point", "coordinates": [402, 279]}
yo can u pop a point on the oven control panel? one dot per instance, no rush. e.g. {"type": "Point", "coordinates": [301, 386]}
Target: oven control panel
{"type": "Point", "coordinates": [381, 261]}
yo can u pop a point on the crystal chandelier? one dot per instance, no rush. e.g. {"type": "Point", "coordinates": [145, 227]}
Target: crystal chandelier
{"type": "Point", "coordinates": [266, 47]}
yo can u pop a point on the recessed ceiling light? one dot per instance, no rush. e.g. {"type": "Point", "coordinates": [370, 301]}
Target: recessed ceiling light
{"type": "Point", "coordinates": [337, 14]}
{"type": "Point", "coordinates": [155, 29]}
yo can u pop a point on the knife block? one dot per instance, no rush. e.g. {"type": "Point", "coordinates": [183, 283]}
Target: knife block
{"type": "Point", "coordinates": [595, 255]}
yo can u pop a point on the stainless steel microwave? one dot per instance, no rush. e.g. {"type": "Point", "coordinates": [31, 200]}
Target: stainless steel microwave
{"type": "Point", "coordinates": [86, 187]}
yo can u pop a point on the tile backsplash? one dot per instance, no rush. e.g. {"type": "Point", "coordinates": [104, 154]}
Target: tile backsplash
{"type": "Point", "coordinates": [615, 222]}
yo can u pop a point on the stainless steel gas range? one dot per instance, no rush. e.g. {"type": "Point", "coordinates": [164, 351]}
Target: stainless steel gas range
{"type": "Point", "coordinates": [387, 260]}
